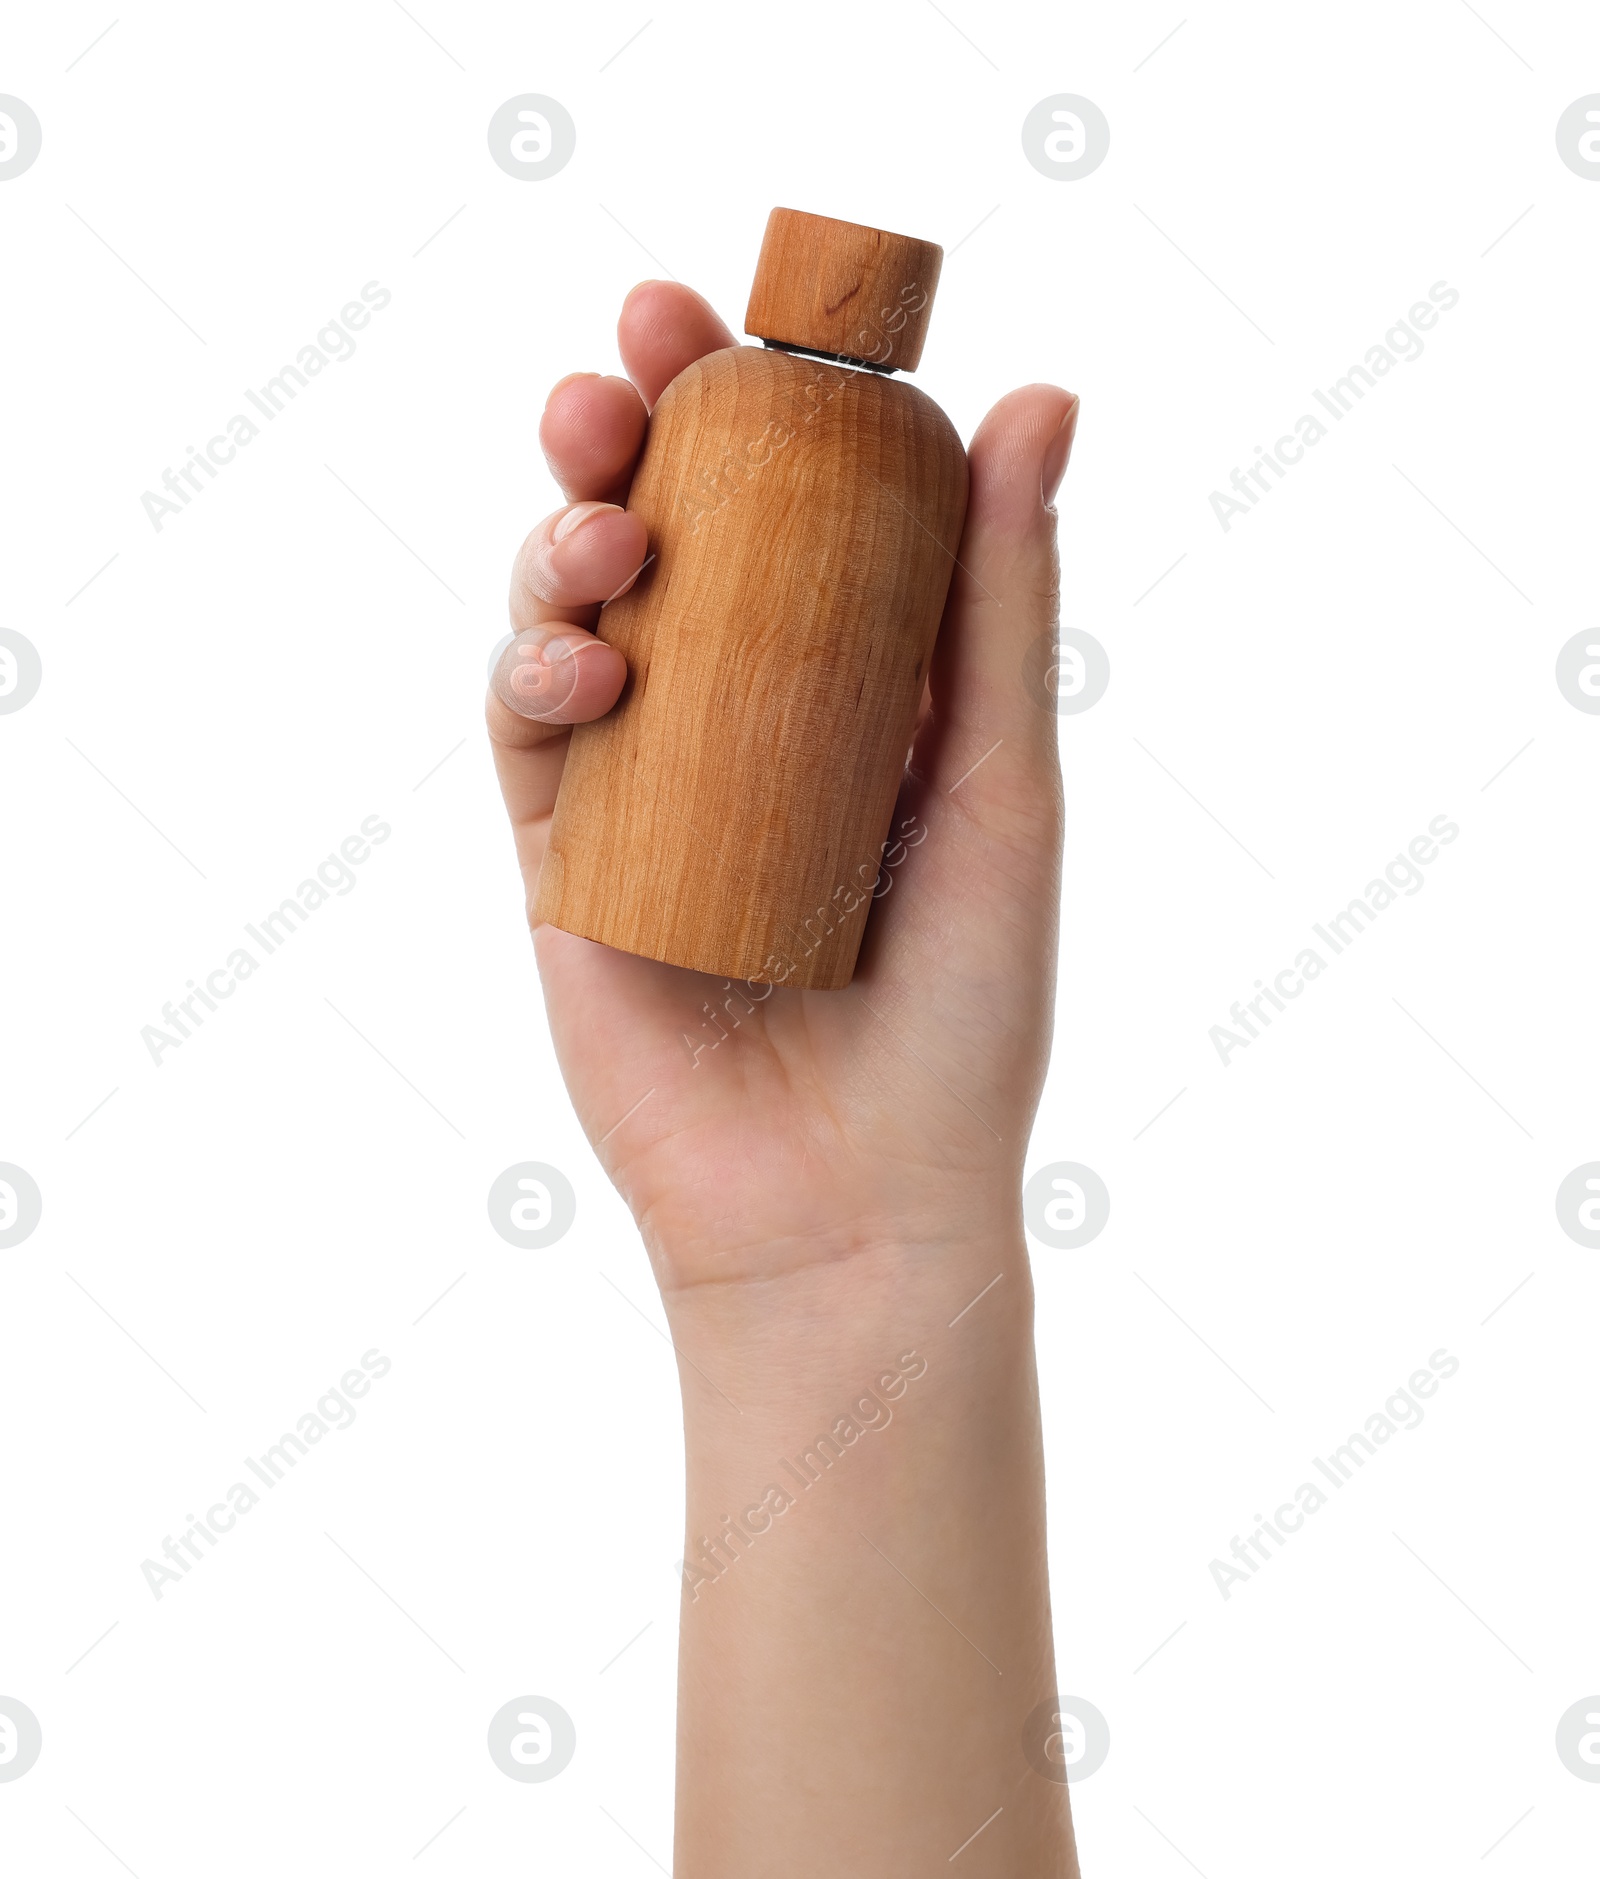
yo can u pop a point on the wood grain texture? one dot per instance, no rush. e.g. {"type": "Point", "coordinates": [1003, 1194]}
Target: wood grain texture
{"type": "Point", "coordinates": [730, 813]}
{"type": "Point", "coordinates": [837, 287]}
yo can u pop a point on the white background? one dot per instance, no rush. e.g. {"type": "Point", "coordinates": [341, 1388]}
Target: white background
{"type": "Point", "coordinates": [1364, 651]}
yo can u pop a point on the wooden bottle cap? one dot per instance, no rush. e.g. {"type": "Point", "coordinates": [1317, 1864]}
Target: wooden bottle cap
{"type": "Point", "coordinates": [848, 291]}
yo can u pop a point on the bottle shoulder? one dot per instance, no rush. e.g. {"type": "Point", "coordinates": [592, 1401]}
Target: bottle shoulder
{"type": "Point", "coordinates": [802, 388]}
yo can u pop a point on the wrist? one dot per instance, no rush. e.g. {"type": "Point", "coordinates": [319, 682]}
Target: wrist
{"type": "Point", "coordinates": [776, 1219]}
{"type": "Point", "coordinates": [760, 1357]}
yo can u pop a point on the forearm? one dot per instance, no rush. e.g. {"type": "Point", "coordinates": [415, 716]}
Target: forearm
{"type": "Point", "coordinates": [866, 1621]}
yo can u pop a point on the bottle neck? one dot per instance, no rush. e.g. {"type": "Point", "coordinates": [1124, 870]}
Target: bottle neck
{"type": "Point", "coordinates": [831, 358]}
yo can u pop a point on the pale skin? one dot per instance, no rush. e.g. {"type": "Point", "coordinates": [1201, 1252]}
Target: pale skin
{"type": "Point", "coordinates": [830, 1198]}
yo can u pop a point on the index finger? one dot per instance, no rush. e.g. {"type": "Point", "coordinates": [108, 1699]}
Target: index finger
{"type": "Point", "coordinates": [593, 427]}
{"type": "Point", "coordinates": [664, 327]}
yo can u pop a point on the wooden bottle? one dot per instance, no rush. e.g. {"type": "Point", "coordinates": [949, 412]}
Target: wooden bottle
{"type": "Point", "coordinates": [804, 510]}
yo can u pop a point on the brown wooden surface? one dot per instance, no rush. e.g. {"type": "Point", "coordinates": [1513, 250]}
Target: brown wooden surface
{"type": "Point", "coordinates": [840, 288]}
{"type": "Point", "coordinates": [730, 812]}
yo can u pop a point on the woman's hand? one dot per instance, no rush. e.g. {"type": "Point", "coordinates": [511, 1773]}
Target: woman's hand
{"type": "Point", "coordinates": [754, 1131]}
{"type": "Point", "coordinates": [828, 1184]}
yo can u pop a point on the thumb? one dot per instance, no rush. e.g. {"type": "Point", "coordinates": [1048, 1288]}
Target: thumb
{"type": "Point", "coordinates": [990, 743]}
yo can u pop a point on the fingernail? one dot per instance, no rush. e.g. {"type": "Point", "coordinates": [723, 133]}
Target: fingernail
{"type": "Point", "coordinates": [576, 516]}
{"type": "Point", "coordinates": [543, 677]}
{"type": "Point", "coordinates": [1054, 466]}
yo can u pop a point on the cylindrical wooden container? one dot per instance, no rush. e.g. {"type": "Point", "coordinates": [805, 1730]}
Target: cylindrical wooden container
{"type": "Point", "coordinates": [804, 513]}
